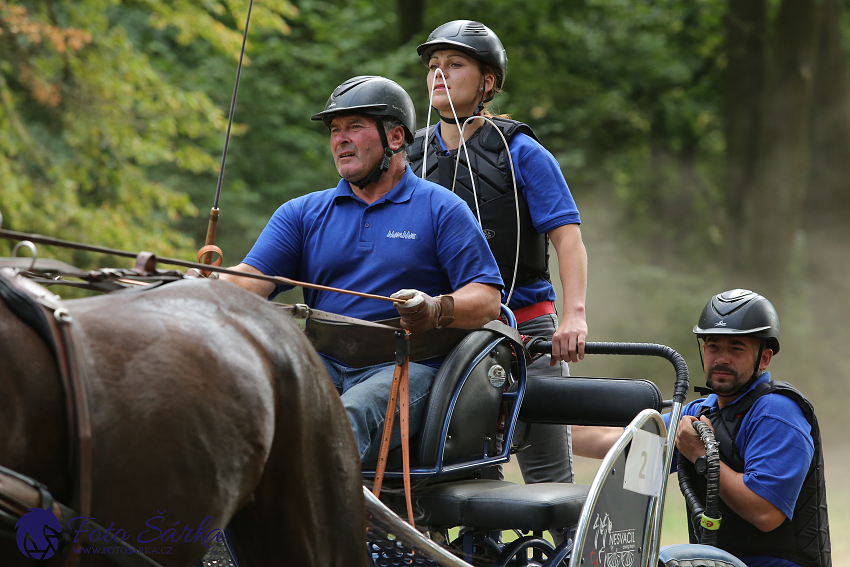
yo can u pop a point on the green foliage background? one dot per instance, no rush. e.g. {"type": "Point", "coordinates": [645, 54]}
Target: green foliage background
{"type": "Point", "coordinates": [114, 112]}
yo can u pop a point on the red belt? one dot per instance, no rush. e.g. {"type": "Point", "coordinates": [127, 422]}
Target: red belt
{"type": "Point", "coordinates": [529, 312]}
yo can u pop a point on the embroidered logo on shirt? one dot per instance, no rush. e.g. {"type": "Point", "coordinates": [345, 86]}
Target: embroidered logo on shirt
{"type": "Point", "coordinates": [406, 235]}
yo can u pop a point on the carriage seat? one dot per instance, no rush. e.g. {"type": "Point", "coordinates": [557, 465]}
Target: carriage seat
{"type": "Point", "coordinates": [468, 407]}
{"type": "Point", "coordinates": [458, 439]}
{"type": "Point", "coordinates": [501, 505]}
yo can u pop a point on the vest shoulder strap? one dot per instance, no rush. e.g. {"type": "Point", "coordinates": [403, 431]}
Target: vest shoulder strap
{"type": "Point", "coordinates": [728, 421]}
{"type": "Point", "coordinates": [490, 139]}
{"type": "Point", "coordinates": [417, 148]}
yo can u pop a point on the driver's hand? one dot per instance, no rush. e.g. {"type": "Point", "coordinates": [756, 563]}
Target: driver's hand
{"type": "Point", "coordinates": [421, 312]}
{"type": "Point", "coordinates": [196, 273]}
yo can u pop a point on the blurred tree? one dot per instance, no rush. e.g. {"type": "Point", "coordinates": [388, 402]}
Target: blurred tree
{"type": "Point", "coordinates": [766, 190]}
{"type": "Point", "coordinates": [93, 132]}
{"type": "Point", "coordinates": [828, 197]}
{"type": "Point", "coordinates": [411, 14]}
{"type": "Point", "coordinates": [827, 204]}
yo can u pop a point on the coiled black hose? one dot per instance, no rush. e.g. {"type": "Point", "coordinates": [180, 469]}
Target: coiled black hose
{"type": "Point", "coordinates": [705, 520]}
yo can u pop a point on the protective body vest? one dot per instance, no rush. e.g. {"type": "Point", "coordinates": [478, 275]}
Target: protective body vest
{"type": "Point", "coordinates": [804, 539]}
{"type": "Point", "coordinates": [494, 186]}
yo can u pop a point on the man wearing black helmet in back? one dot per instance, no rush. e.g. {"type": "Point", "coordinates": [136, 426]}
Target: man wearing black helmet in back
{"type": "Point", "coordinates": [772, 491]}
{"type": "Point", "coordinates": [379, 231]}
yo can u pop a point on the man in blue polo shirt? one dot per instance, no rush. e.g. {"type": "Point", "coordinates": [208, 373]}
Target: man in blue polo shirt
{"type": "Point", "coordinates": [772, 491]}
{"type": "Point", "coordinates": [383, 231]}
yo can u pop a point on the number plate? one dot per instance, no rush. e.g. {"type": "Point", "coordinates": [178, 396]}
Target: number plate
{"type": "Point", "coordinates": [644, 464]}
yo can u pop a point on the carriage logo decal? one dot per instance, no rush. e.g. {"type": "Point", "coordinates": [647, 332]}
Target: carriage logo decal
{"type": "Point", "coordinates": [611, 548]}
{"type": "Point", "coordinates": [37, 533]}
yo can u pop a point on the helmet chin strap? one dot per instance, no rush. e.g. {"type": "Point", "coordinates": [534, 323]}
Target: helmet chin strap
{"type": "Point", "coordinates": [382, 167]}
{"type": "Point", "coordinates": [461, 120]}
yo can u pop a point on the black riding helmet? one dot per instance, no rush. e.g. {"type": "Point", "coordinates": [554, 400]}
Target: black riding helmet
{"type": "Point", "coordinates": [740, 312]}
{"type": "Point", "coordinates": [473, 38]}
{"type": "Point", "coordinates": [372, 96]}
{"type": "Point", "coordinates": [744, 313]}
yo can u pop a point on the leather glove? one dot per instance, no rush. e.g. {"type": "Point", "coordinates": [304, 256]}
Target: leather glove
{"type": "Point", "coordinates": [196, 273]}
{"type": "Point", "coordinates": [421, 312]}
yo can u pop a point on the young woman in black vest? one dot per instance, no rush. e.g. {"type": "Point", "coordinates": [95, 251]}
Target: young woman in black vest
{"type": "Point", "coordinates": [516, 189]}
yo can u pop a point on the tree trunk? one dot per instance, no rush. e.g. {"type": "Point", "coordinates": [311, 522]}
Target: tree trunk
{"type": "Point", "coordinates": [772, 202]}
{"type": "Point", "coordinates": [828, 197]}
{"type": "Point", "coordinates": [827, 207]}
{"type": "Point", "coordinates": [746, 35]}
{"type": "Point", "coordinates": [410, 18]}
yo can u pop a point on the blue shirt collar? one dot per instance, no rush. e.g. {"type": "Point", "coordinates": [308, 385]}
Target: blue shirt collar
{"type": "Point", "coordinates": [711, 400]}
{"type": "Point", "coordinates": [402, 192]}
{"type": "Point", "coordinates": [439, 137]}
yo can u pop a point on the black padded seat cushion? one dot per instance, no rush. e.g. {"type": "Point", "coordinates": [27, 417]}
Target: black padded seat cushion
{"type": "Point", "coordinates": [538, 507]}
{"type": "Point", "coordinates": [500, 505]}
{"type": "Point", "coordinates": [577, 400]}
{"type": "Point", "coordinates": [443, 503]}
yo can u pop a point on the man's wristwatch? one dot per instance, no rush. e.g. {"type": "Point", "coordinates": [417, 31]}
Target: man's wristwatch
{"type": "Point", "coordinates": [701, 464]}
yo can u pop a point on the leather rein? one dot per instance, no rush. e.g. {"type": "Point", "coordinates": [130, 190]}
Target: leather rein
{"type": "Point", "coordinates": [146, 262]}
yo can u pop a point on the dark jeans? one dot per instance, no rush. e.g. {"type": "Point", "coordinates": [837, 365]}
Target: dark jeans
{"type": "Point", "coordinates": [365, 393]}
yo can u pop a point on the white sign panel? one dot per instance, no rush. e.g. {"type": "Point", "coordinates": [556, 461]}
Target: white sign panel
{"type": "Point", "coordinates": [644, 464]}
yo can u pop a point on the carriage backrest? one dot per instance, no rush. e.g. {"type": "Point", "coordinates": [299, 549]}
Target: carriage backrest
{"type": "Point", "coordinates": [471, 380]}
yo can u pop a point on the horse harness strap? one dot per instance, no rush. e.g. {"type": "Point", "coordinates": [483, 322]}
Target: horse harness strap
{"type": "Point", "coordinates": [19, 493]}
{"type": "Point", "coordinates": [55, 321]}
{"type": "Point", "coordinates": [398, 389]}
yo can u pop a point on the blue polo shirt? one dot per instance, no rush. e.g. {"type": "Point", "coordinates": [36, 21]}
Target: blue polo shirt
{"type": "Point", "coordinates": [539, 178]}
{"type": "Point", "coordinates": [776, 444]}
{"type": "Point", "coordinates": [417, 236]}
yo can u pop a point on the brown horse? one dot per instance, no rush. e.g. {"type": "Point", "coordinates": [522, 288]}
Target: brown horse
{"type": "Point", "coordinates": [205, 401]}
